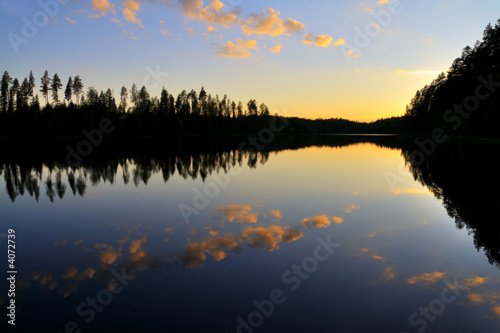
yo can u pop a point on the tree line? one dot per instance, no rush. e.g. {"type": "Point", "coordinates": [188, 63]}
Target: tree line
{"type": "Point", "coordinates": [466, 99]}
{"type": "Point", "coordinates": [189, 113]}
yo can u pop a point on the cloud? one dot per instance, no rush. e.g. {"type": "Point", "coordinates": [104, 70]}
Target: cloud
{"type": "Point", "coordinates": [291, 25]}
{"type": "Point", "coordinates": [240, 213]}
{"type": "Point", "coordinates": [277, 48]}
{"type": "Point", "coordinates": [103, 6]}
{"type": "Point", "coordinates": [320, 40]}
{"type": "Point", "coordinates": [268, 238]}
{"type": "Point", "coordinates": [474, 282]}
{"type": "Point", "coordinates": [129, 15]}
{"type": "Point", "coordinates": [292, 235]}
{"type": "Point", "coordinates": [190, 30]}
{"type": "Point", "coordinates": [109, 256]}
{"type": "Point", "coordinates": [276, 213]}
{"type": "Point", "coordinates": [165, 32]}
{"type": "Point", "coordinates": [93, 15]}
{"type": "Point", "coordinates": [339, 41]}
{"type": "Point", "coordinates": [269, 22]}
{"type": "Point", "coordinates": [216, 5]}
{"type": "Point", "coordinates": [337, 220]}
{"type": "Point", "coordinates": [250, 43]}
{"type": "Point", "coordinates": [211, 28]}
{"type": "Point", "coordinates": [426, 278]}
{"type": "Point", "coordinates": [70, 20]}
{"type": "Point", "coordinates": [349, 209]}
{"type": "Point", "coordinates": [369, 9]}
{"type": "Point", "coordinates": [381, 2]}
{"type": "Point", "coordinates": [213, 13]}
{"type": "Point", "coordinates": [389, 273]}
{"type": "Point", "coordinates": [195, 254]}
{"type": "Point", "coordinates": [131, 4]}
{"type": "Point", "coordinates": [316, 221]}
{"type": "Point", "coordinates": [136, 244]}
{"type": "Point", "coordinates": [353, 54]}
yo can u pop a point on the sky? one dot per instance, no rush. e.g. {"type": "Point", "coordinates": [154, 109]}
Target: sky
{"type": "Point", "coordinates": [313, 59]}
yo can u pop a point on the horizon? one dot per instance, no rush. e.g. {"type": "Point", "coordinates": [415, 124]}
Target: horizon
{"type": "Point", "coordinates": [284, 55]}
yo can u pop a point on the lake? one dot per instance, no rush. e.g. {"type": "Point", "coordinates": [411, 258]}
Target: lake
{"type": "Point", "coordinates": [313, 234]}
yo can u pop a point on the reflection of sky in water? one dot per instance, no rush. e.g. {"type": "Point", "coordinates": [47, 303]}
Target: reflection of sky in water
{"type": "Point", "coordinates": [398, 251]}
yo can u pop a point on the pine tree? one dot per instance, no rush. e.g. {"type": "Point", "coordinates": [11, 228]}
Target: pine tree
{"type": "Point", "coordinates": [123, 100]}
{"type": "Point", "coordinates": [44, 88]}
{"type": "Point", "coordinates": [31, 81]}
{"type": "Point", "coordinates": [134, 94]}
{"type": "Point", "coordinates": [77, 87]}
{"type": "Point", "coordinates": [4, 87]}
{"type": "Point", "coordinates": [69, 90]}
{"type": "Point", "coordinates": [54, 87]}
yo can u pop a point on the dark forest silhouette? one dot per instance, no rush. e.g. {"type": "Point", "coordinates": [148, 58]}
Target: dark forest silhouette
{"type": "Point", "coordinates": [465, 177]}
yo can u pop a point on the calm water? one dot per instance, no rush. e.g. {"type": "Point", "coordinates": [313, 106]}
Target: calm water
{"type": "Point", "coordinates": [336, 234]}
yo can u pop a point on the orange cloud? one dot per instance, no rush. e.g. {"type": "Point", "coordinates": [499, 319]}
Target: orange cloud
{"type": "Point", "coordinates": [103, 6]}
{"type": "Point", "coordinates": [241, 213]}
{"type": "Point", "coordinates": [70, 20]}
{"type": "Point", "coordinates": [341, 41]}
{"type": "Point", "coordinates": [277, 48]}
{"type": "Point", "coordinates": [195, 254]}
{"type": "Point", "coordinates": [320, 40]}
{"type": "Point", "coordinates": [268, 238]}
{"type": "Point", "coordinates": [276, 213]}
{"type": "Point", "coordinates": [475, 282]}
{"type": "Point", "coordinates": [109, 256]}
{"type": "Point", "coordinates": [349, 209]}
{"type": "Point", "coordinates": [426, 278]}
{"type": "Point", "coordinates": [250, 43]}
{"type": "Point", "coordinates": [389, 273]}
{"type": "Point", "coordinates": [213, 13]}
{"type": "Point", "coordinates": [316, 221]}
{"type": "Point", "coordinates": [129, 15]}
{"type": "Point", "coordinates": [136, 244]}
{"type": "Point", "coordinates": [269, 22]}
{"type": "Point", "coordinates": [337, 220]}
{"type": "Point", "coordinates": [131, 4]}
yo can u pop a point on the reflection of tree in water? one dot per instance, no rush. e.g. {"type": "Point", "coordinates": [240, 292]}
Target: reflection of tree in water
{"type": "Point", "coordinates": [139, 161]}
{"type": "Point", "coordinates": [466, 178]}
{"type": "Point", "coordinates": [18, 179]}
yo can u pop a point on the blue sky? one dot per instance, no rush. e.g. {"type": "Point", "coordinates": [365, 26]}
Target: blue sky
{"type": "Point", "coordinates": [303, 58]}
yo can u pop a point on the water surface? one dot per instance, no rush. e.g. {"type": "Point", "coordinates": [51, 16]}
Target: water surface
{"type": "Point", "coordinates": [335, 234]}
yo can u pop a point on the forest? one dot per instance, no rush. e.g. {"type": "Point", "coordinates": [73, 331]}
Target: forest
{"type": "Point", "coordinates": [465, 101]}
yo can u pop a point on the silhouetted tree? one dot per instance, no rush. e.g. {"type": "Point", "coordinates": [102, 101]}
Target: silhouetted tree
{"type": "Point", "coordinates": [123, 100]}
{"type": "Point", "coordinates": [68, 92]}
{"type": "Point", "coordinates": [4, 88]}
{"type": "Point", "coordinates": [45, 86]}
{"type": "Point", "coordinates": [134, 94]}
{"type": "Point", "coordinates": [77, 87]}
{"type": "Point", "coordinates": [31, 81]}
{"type": "Point", "coordinates": [54, 87]}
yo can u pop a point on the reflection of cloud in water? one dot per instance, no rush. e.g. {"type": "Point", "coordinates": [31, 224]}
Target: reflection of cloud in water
{"type": "Point", "coordinates": [195, 253]}
{"type": "Point", "coordinates": [135, 244]}
{"type": "Point", "coordinates": [316, 221]}
{"type": "Point", "coordinates": [426, 278]}
{"type": "Point", "coordinates": [350, 208]}
{"type": "Point", "coordinates": [268, 238]}
{"type": "Point", "coordinates": [389, 273]}
{"type": "Point", "coordinates": [276, 213]}
{"type": "Point", "coordinates": [240, 213]}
